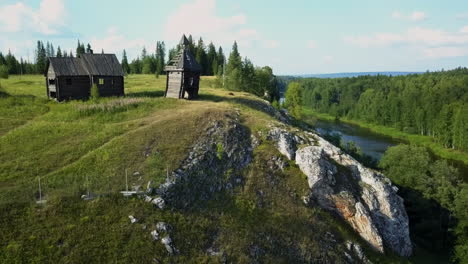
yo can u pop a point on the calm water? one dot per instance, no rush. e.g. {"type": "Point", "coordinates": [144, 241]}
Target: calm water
{"type": "Point", "coordinates": [370, 143]}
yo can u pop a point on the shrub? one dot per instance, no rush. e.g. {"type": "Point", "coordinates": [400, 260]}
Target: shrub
{"type": "Point", "coordinates": [3, 72]}
{"type": "Point", "coordinates": [94, 92]}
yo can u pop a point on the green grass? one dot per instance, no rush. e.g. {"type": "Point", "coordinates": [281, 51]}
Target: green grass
{"type": "Point", "coordinates": [77, 146]}
{"type": "Point", "coordinates": [419, 140]}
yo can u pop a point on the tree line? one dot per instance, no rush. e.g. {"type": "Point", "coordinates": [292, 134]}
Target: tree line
{"type": "Point", "coordinates": [433, 104]}
{"type": "Point", "coordinates": [242, 75]}
{"type": "Point", "coordinates": [436, 199]}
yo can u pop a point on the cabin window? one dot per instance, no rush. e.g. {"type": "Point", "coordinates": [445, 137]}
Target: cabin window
{"type": "Point", "coordinates": [101, 81]}
{"type": "Point", "coordinates": [51, 81]}
{"type": "Point", "coordinates": [68, 81]}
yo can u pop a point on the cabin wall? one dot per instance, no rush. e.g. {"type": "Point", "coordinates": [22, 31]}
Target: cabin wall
{"type": "Point", "coordinates": [174, 84]}
{"type": "Point", "coordinates": [51, 83]}
{"type": "Point", "coordinates": [79, 87]}
{"type": "Point", "coordinates": [109, 85]}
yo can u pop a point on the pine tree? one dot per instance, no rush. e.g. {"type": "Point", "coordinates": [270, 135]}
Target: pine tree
{"type": "Point", "coordinates": [125, 66]}
{"type": "Point", "coordinates": [11, 63]}
{"type": "Point", "coordinates": [41, 57]}
{"type": "Point", "coordinates": [48, 50]}
{"type": "Point", "coordinates": [234, 70]}
{"type": "Point", "coordinates": [80, 49]}
{"type": "Point", "coordinates": [160, 57]}
{"type": "Point", "coordinates": [212, 60]}
{"type": "Point", "coordinates": [221, 60]}
{"type": "Point", "coordinates": [59, 52]}
{"type": "Point", "coordinates": [200, 56]}
{"type": "Point", "coordinates": [52, 50]}
{"type": "Point", "coordinates": [88, 49]}
{"type": "Point", "coordinates": [2, 59]}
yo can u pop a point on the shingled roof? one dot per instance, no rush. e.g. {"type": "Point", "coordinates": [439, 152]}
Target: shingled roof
{"type": "Point", "coordinates": [184, 61]}
{"type": "Point", "coordinates": [67, 67]}
{"type": "Point", "coordinates": [87, 64]}
{"type": "Point", "coordinates": [102, 64]}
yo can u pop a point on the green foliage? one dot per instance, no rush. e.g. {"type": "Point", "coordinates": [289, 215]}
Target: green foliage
{"type": "Point", "coordinates": [242, 75]}
{"type": "Point", "coordinates": [434, 187]}
{"type": "Point", "coordinates": [293, 100]}
{"type": "Point", "coordinates": [431, 104]}
{"type": "Point", "coordinates": [219, 151]}
{"type": "Point", "coordinates": [125, 65]}
{"type": "Point", "coordinates": [94, 92]}
{"type": "Point", "coordinates": [3, 72]}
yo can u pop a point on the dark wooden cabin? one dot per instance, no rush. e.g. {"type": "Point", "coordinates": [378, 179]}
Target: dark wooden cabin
{"type": "Point", "coordinates": [72, 78]}
{"type": "Point", "coordinates": [183, 74]}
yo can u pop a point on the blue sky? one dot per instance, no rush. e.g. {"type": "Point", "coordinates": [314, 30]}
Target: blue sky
{"type": "Point", "coordinates": [293, 37]}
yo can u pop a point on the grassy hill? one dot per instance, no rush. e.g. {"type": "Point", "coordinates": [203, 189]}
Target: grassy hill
{"type": "Point", "coordinates": [76, 147]}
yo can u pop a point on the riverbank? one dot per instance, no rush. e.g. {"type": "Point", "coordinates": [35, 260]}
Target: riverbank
{"type": "Point", "coordinates": [420, 140]}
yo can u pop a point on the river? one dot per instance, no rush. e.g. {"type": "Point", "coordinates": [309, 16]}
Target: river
{"type": "Point", "coordinates": [372, 144]}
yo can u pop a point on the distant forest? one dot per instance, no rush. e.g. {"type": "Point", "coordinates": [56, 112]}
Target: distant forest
{"type": "Point", "coordinates": [433, 104]}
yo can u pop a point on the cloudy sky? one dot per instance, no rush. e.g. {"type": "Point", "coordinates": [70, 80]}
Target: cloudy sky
{"type": "Point", "coordinates": [294, 37]}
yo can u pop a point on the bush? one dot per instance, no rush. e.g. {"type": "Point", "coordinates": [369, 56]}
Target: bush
{"type": "Point", "coordinates": [3, 72]}
{"type": "Point", "coordinates": [94, 92]}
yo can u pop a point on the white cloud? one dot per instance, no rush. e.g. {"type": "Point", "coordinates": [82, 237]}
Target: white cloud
{"type": "Point", "coordinates": [446, 52]}
{"type": "Point", "coordinates": [200, 18]}
{"type": "Point", "coordinates": [414, 16]}
{"type": "Point", "coordinates": [434, 43]}
{"type": "Point", "coordinates": [45, 20]}
{"type": "Point", "coordinates": [464, 30]}
{"type": "Point", "coordinates": [271, 44]}
{"type": "Point", "coordinates": [415, 35]}
{"type": "Point", "coordinates": [328, 59]}
{"type": "Point", "coordinates": [115, 42]}
{"type": "Point", "coordinates": [312, 44]}
{"type": "Point", "coordinates": [462, 16]}
{"type": "Point", "coordinates": [417, 16]}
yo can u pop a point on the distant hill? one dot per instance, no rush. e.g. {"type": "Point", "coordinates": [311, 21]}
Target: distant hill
{"type": "Point", "coordinates": [354, 74]}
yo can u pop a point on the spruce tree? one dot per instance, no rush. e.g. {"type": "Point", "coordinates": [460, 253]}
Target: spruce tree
{"type": "Point", "coordinates": [201, 56]}
{"type": "Point", "coordinates": [88, 49]}
{"type": "Point", "coordinates": [125, 66]}
{"type": "Point", "coordinates": [212, 60]}
{"type": "Point", "coordinates": [59, 52]}
{"type": "Point", "coordinates": [234, 70]}
{"type": "Point", "coordinates": [41, 57]}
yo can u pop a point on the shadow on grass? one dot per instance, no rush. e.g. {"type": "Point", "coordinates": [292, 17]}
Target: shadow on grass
{"type": "Point", "coordinates": [146, 94]}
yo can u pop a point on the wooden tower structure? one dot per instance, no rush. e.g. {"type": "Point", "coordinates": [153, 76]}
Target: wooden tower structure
{"type": "Point", "coordinates": [183, 74]}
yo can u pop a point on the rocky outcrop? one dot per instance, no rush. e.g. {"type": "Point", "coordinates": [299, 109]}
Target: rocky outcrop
{"type": "Point", "coordinates": [364, 198]}
{"type": "Point", "coordinates": [225, 148]}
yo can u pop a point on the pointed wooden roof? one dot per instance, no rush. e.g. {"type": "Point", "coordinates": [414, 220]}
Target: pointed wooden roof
{"type": "Point", "coordinates": [184, 61]}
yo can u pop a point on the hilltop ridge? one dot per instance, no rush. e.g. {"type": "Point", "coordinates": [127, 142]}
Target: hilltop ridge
{"type": "Point", "coordinates": [216, 183]}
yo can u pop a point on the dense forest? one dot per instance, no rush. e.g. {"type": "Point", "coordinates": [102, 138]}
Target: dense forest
{"type": "Point", "coordinates": [435, 198]}
{"type": "Point", "coordinates": [433, 104]}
